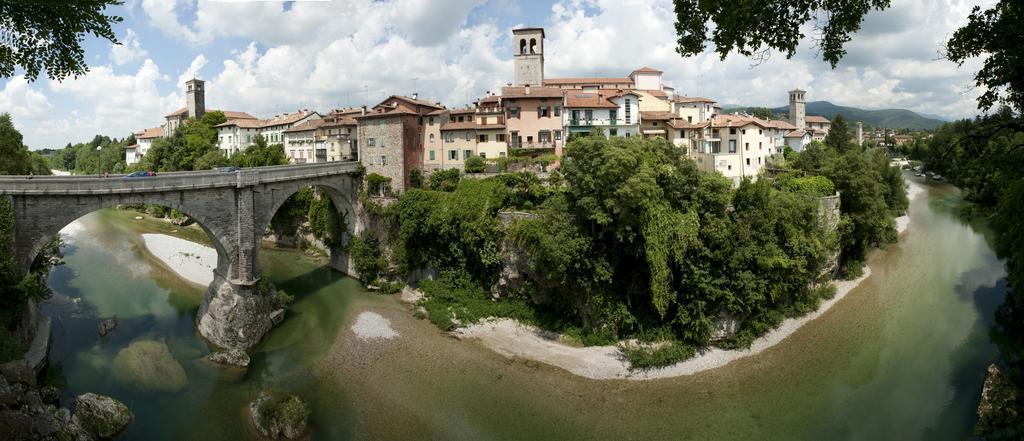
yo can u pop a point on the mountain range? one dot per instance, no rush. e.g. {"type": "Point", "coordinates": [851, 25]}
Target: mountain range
{"type": "Point", "coordinates": [890, 118]}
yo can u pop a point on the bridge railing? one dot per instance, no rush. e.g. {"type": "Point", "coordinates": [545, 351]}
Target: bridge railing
{"type": "Point", "coordinates": [167, 181]}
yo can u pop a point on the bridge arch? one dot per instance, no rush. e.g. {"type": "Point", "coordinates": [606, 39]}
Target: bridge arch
{"type": "Point", "coordinates": [45, 225]}
{"type": "Point", "coordinates": [340, 190]}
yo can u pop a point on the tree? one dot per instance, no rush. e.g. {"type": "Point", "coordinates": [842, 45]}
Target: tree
{"type": "Point", "coordinates": [260, 154]}
{"type": "Point", "coordinates": [475, 164]}
{"type": "Point", "coordinates": [48, 34]}
{"type": "Point", "coordinates": [14, 159]}
{"type": "Point", "coordinates": [838, 136]}
{"type": "Point", "coordinates": [762, 112]}
{"type": "Point", "coordinates": [996, 34]}
{"type": "Point", "coordinates": [745, 27]}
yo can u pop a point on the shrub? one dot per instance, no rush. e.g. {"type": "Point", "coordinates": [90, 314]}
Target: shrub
{"type": "Point", "coordinates": [10, 348]}
{"type": "Point", "coordinates": [378, 185]}
{"type": "Point", "coordinates": [366, 254]}
{"type": "Point", "coordinates": [475, 164]}
{"type": "Point", "coordinates": [655, 356]}
{"type": "Point", "coordinates": [416, 178]}
{"type": "Point", "coordinates": [444, 180]}
{"type": "Point", "coordinates": [819, 186]}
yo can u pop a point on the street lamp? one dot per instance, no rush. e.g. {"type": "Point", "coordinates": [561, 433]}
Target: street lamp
{"type": "Point", "coordinates": [99, 162]}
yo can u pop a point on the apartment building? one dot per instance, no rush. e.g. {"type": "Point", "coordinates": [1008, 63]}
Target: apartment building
{"type": "Point", "coordinates": [533, 117]}
{"type": "Point", "coordinates": [390, 137]}
{"type": "Point", "coordinates": [739, 146]}
{"type": "Point", "coordinates": [238, 134]}
{"type": "Point", "coordinates": [612, 112]}
{"type": "Point", "coordinates": [143, 141]}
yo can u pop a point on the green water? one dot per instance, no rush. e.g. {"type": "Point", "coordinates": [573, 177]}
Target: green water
{"type": "Point", "coordinates": [901, 357]}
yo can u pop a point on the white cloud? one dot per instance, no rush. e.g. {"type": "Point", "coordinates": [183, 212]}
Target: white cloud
{"type": "Point", "coordinates": [129, 50]}
{"type": "Point", "coordinates": [191, 72]}
{"type": "Point", "coordinates": [22, 101]}
{"type": "Point", "coordinates": [113, 104]}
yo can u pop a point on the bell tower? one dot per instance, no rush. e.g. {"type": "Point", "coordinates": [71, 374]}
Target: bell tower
{"type": "Point", "coordinates": [797, 109]}
{"type": "Point", "coordinates": [195, 98]}
{"type": "Point", "coordinates": [529, 56]}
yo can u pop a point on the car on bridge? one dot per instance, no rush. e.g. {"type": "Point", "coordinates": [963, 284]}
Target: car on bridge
{"type": "Point", "coordinates": [228, 169]}
{"type": "Point", "coordinates": [140, 174]}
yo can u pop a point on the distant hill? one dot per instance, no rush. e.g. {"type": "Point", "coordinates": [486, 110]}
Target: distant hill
{"type": "Point", "coordinates": [891, 118]}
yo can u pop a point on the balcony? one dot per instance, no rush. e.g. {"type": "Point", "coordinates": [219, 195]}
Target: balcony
{"type": "Point", "coordinates": [581, 122]}
{"type": "Point", "coordinates": [533, 145]}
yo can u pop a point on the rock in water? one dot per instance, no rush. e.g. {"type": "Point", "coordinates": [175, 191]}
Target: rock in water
{"type": "Point", "coordinates": [107, 326]}
{"type": "Point", "coordinates": [149, 366]}
{"type": "Point", "coordinates": [101, 416]}
{"type": "Point", "coordinates": [232, 357]}
{"type": "Point", "coordinates": [997, 411]}
{"type": "Point", "coordinates": [280, 417]}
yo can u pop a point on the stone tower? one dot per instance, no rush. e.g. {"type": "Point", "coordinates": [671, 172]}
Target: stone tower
{"type": "Point", "coordinates": [797, 108]}
{"type": "Point", "coordinates": [195, 98]}
{"type": "Point", "coordinates": [529, 56]}
{"type": "Point", "coordinates": [860, 133]}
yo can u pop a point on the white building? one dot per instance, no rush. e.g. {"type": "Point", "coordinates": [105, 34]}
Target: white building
{"type": "Point", "coordinates": [237, 134]}
{"type": "Point", "coordinates": [143, 141]}
{"type": "Point", "coordinates": [739, 146]}
{"type": "Point", "coordinates": [612, 112]}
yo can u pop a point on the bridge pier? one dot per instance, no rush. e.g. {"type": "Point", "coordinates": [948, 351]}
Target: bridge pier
{"type": "Point", "coordinates": [237, 315]}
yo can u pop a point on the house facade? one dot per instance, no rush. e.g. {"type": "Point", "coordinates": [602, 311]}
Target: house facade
{"type": "Point", "coordinates": [533, 118]}
{"type": "Point", "coordinates": [390, 138]}
{"type": "Point", "coordinates": [612, 112]}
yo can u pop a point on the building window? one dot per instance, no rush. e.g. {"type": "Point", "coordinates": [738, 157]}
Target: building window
{"type": "Point", "coordinates": [758, 160]}
{"type": "Point", "coordinates": [613, 132]}
{"type": "Point", "coordinates": [431, 155]}
{"type": "Point", "coordinates": [689, 119]}
{"type": "Point", "coordinates": [613, 114]}
{"type": "Point", "coordinates": [431, 137]}
{"type": "Point", "coordinates": [744, 131]}
{"type": "Point", "coordinates": [501, 154]}
{"type": "Point", "coordinates": [453, 155]}
{"type": "Point", "coordinates": [629, 106]}
{"type": "Point", "coordinates": [543, 136]}
{"type": "Point", "coordinates": [501, 137]}
{"type": "Point", "coordinates": [430, 121]}
{"type": "Point", "coordinates": [732, 146]}
{"type": "Point", "coordinates": [481, 138]}
{"type": "Point", "coordinates": [466, 153]}
{"type": "Point", "coordinates": [383, 160]}
{"type": "Point", "coordinates": [759, 146]}
{"type": "Point", "coordinates": [469, 136]}
{"type": "Point", "coordinates": [558, 135]}
{"type": "Point", "coordinates": [588, 114]}
{"type": "Point", "coordinates": [513, 112]}
{"type": "Point", "coordinates": [732, 131]}
{"type": "Point", "coordinates": [483, 155]}
{"type": "Point", "coordinates": [558, 110]}
{"type": "Point", "coordinates": [748, 161]}
{"type": "Point", "coordinates": [746, 146]}
{"type": "Point", "coordinates": [543, 112]}
{"type": "Point", "coordinates": [449, 137]}
{"type": "Point", "coordinates": [760, 132]}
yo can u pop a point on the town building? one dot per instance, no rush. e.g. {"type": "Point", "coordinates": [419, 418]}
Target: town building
{"type": "Point", "coordinates": [808, 127]}
{"type": "Point", "coordinates": [611, 112]}
{"type": "Point", "coordinates": [195, 107]}
{"type": "Point", "coordinates": [529, 56]}
{"type": "Point", "coordinates": [533, 118]}
{"type": "Point", "coordinates": [238, 134]}
{"type": "Point", "coordinates": [390, 138]}
{"type": "Point", "coordinates": [143, 142]}
{"type": "Point", "coordinates": [739, 146]}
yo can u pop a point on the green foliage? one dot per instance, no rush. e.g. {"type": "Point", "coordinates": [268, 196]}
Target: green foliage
{"type": "Point", "coordinates": [10, 348]}
{"type": "Point", "coordinates": [644, 357]}
{"type": "Point", "coordinates": [283, 299]}
{"type": "Point", "coordinates": [762, 112]}
{"type": "Point", "coordinates": [475, 164]}
{"type": "Point", "coordinates": [416, 178]}
{"type": "Point", "coordinates": [259, 154]}
{"type": "Point", "coordinates": [327, 224]}
{"type": "Point", "coordinates": [995, 34]}
{"type": "Point", "coordinates": [378, 185]}
{"type": "Point", "coordinates": [15, 158]}
{"type": "Point", "coordinates": [453, 297]}
{"type": "Point", "coordinates": [444, 180]}
{"type": "Point", "coordinates": [292, 212]}
{"type": "Point", "coordinates": [367, 256]}
{"type": "Point", "coordinates": [48, 36]}
{"type": "Point", "coordinates": [738, 29]}
{"type": "Point", "coordinates": [818, 186]}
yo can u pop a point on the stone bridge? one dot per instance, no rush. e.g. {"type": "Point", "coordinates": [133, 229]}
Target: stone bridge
{"type": "Point", "coordinates": [235, 210]}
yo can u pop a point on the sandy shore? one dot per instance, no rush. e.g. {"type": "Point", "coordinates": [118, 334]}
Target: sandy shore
{"type": "Point", "coordinates": [189, 260]}
{"type": "Point", "coordinates": [513, 339]}
{"type": "Point", "coordinates": [372, 326]}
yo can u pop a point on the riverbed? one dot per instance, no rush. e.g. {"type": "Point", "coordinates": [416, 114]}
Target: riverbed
{"type": "Point", "coordinates": [902, 356]}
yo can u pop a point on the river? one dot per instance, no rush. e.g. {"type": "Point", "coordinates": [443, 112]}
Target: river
{"type": "Point", "coordinates": [903, 356]}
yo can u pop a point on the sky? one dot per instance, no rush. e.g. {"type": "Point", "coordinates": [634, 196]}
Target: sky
{"type": "Point", "coordinates": [271, 57]}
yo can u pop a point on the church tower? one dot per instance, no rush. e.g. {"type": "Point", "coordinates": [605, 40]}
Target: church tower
{"type": "Point", "coordinates": [195, 98]}
{"type": "Point", "coordinates": [797, 109]}
{"type": "Point", "coordinates": [529, 56]}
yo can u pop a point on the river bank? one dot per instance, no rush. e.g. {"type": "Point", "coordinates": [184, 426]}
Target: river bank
{"type": "Point", "coordinates": [191, 261]}
{"type": "Point", "coordinates": [513, 339]}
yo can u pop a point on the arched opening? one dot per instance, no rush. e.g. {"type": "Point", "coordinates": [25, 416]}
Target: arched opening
{"type": "Point", "coordinates": [318, 217]}
{"type": "Point", "coordinates": [533, 45]}
{"type": "Point", "coordinates": [522, 46]}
